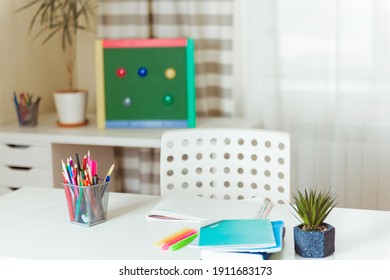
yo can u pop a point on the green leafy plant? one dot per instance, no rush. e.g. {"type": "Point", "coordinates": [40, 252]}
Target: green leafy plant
{"type": "Point", "coordinates": [63, 17]}
{"type": "Point", "coordinates": [312, 207]}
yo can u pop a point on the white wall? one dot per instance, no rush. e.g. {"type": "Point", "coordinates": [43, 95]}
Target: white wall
{"type": "Point", "coordinates": [27, 65]}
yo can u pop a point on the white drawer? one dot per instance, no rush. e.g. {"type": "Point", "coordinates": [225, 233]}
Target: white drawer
{"type": "Point", "coordinates": [24, 155]}
{"type": "Point", "coordinates": [29, 177]}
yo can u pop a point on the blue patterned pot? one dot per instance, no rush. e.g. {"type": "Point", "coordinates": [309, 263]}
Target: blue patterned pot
{"type": "Point", "coordinates": [314, 244]}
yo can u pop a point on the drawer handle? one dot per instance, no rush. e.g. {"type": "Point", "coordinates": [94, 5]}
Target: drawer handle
{"type": "Point", "coordinates": [19, 168]}
{"type": "Point", "coordinates": [13, 146]}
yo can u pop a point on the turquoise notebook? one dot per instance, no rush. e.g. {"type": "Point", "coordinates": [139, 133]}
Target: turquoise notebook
{"type": "Point", "coordinates": [256, 233]}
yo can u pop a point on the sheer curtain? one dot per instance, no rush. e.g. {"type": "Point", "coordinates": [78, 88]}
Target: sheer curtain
{"type": "Point", "coordinates": [320, 69]}
{"type": "Point", "coordinates": [210, 24]}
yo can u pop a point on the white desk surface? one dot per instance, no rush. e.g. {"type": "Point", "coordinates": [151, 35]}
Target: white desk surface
{"type": "Point", "coordinates": [47, 130]}
{"type": "Point", "coordinates": [34, 224]}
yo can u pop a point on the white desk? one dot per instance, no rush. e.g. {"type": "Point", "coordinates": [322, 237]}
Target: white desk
{"type": "Point", "coordinates": [34, 224]}
{"type": "Point", "coordinates": [31, 156]}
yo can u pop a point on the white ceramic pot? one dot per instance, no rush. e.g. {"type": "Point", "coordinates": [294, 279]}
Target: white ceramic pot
{"type": "Point", "coordinates": [71, 107]}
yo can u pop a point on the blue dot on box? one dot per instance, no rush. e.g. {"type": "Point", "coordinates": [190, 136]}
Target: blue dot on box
{"type": "Point", "coordinates": [142, 72]}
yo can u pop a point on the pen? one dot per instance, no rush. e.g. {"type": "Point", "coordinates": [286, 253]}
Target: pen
{"type": "Point", "coordinates": [17, 108]}
{"type": "Point", "coordinates": [109, 173]}
{"type": "Point", "coordinates": [65, 172]}
{"type": "Point", "coordinates": [183, 242]}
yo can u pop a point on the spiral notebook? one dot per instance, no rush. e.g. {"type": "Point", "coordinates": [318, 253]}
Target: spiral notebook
{"type": "Point", "coordinates": [179, 206]}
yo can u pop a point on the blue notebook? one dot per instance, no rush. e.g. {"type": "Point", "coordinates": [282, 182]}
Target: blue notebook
{"type": "Point", "coordinates": [241, 233]}
{"type": "Point", "coordinates": [248, 253]}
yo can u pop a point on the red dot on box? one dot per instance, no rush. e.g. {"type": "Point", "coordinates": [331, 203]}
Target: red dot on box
{"type": "Point", "coordinates": [121, 72]}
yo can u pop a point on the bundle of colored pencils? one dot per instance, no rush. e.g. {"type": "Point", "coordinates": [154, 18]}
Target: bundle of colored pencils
{"type": "Point", "coordinates": [83, 175]}
{"type": "Point", "coordinates": [178, 239]}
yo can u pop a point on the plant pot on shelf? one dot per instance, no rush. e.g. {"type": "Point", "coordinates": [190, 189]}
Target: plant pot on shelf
{"type": "Point", "coordinates": [314, 244]}
{"type": "Point", "coordinates": [71, 107]}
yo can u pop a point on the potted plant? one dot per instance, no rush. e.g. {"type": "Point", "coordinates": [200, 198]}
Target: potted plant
{"type": "Point", "coordinates": [314, 238]}
{"type": "Point", "coordinates": [64, 18]}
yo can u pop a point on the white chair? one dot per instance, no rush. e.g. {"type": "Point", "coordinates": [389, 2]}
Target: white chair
{"type": "Point", "coordinates": [226, 163]}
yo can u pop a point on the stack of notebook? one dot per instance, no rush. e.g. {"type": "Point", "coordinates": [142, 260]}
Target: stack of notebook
{"type": "Point", "coordinates": [241, 239]}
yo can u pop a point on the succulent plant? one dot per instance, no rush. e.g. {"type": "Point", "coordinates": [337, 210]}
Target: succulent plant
{"type": "Point", "coordinates": [312, 207]}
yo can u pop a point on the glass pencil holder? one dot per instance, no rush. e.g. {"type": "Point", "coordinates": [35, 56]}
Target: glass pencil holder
{"type": "Point", "coordinates": [28, 114]}
{"type": "Point", "coordinates": [87, 205]}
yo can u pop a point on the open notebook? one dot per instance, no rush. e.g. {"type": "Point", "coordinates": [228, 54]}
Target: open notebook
{"type": "Point", "coordinates": [180, 206]}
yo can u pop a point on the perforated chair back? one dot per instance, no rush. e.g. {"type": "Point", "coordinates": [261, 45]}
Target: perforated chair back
{"type": "Point", "coordinates": [226, 163]}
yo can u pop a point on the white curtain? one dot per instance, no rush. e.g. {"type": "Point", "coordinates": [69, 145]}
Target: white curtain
{"type": "Point", "coordinates": [320, 69]}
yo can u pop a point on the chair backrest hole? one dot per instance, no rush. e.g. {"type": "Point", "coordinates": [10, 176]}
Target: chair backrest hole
{"type": "Point", "coordinates": [254, 142]}
{"type": "Point", "coordinates": [170, 144]}
{"type": "Point", "coordinates": [184, 143]}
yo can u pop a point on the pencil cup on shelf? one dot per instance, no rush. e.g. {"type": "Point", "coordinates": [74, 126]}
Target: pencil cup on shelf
{"type": "Point", "coordinates": [28, 115]}
{"type": "Point", "coordinates": [26, 109]}
{"type": "Point", "coordinates": [87, 205]}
